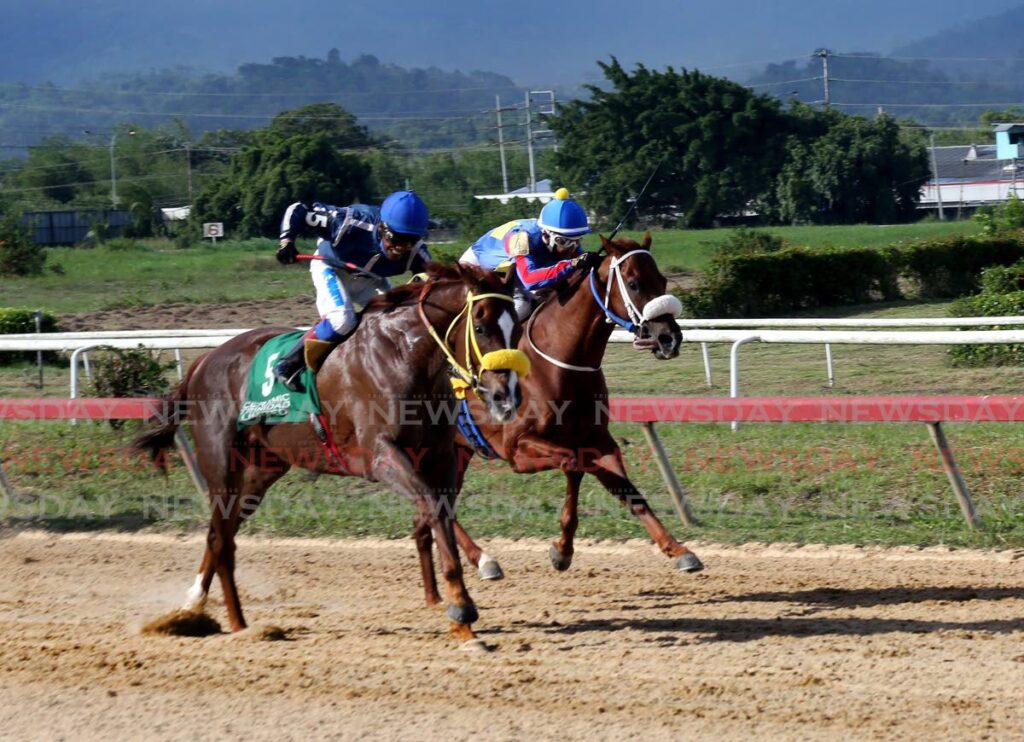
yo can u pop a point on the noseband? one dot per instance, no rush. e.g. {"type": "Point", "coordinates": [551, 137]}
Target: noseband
{"type": "Point", "coordinates": [468, 376]}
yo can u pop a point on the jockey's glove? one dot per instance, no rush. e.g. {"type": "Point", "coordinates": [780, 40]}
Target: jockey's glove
{"type": "Point", "coordinates": [587, 261]}
{"type": "Point", "coordinates": [287, 253]}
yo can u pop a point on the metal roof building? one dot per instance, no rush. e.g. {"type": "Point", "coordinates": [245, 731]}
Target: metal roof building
{"type": "Point", "coordinates": [970, 176]}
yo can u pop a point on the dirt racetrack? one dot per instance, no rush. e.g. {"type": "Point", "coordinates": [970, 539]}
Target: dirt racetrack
{"type": "Point", "coordinates": [792, 643]}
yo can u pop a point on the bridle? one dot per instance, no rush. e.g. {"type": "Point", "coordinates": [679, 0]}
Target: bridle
{"type": "Point", "coordinates": [656, 307]}
{"type": "Point", "coordinates": [468, 376]}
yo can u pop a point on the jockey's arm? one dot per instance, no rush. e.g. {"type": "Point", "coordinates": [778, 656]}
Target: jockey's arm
{"type": "Point", "coordinates": [535, 275]}
{"type": "Point", "coordinates": [300, 220]}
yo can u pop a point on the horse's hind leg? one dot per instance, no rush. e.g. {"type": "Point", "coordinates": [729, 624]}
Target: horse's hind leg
{"type": "Point", "coordinates": [611, 472]}
{"type": "Point", "coordinates": [561, 551]}
{"type": "Point", "coordinates": [234, 496]}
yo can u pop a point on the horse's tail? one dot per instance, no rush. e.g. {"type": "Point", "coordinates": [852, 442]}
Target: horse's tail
{"type": "Point", "coordinates": [164, 426]}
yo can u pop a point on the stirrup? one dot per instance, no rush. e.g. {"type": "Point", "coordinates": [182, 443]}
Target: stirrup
{"type": "Point", "coordinates": [288, 377]}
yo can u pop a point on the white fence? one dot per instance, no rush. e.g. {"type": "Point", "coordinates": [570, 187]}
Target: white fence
{"type": "Point", "coordinates": [737, 332]}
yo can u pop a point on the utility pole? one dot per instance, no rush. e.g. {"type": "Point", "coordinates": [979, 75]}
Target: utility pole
{"type": "Point", "coordinates": [529, 145]}
{"type": "Point", "coordinates": [501, 144]}
{"type": "Point", "coordinates": [823, 53]}
{"type": "Point", "coordinates": [530, 133]}
{"type": "Point", "coordinates": [935, 175]}
{"type": "Point", "coordinates": [113, 167]}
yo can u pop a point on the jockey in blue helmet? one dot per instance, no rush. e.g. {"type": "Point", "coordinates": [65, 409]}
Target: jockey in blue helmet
{"type": "Point", "coordinates": [543, 250]}
{"type": "Point", "coordinates": [360, 248]}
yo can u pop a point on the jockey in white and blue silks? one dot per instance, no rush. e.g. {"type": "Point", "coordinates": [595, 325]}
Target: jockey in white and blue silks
{"type": "Point", "coordinates": [543, 250]}
{"type": "Point", "coordinates": [386, 242]}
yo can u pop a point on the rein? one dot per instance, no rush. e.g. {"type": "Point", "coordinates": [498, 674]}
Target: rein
{"type": "Point", "coordinates": [468, 377]}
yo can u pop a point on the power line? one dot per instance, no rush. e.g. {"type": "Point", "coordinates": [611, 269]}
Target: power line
{"type": "Point", "coordinates": [933, 105]}
{"type": "Point", "coordinates": [932, 59]}
{"type": "Point", "coordinates": [1017, 83]}
{"type": "Point", "coordinates": [260, 116]}
{"type": "Point", "coordinates": [785, 82]}
{"type": "Point", "coordinates": [335, 94]}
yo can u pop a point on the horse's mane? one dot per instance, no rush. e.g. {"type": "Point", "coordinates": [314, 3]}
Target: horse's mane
{"type": "Point", "coordinates": [440, 275]}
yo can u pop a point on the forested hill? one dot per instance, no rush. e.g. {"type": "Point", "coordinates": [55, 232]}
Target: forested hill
{"type": "Point", "coordinates": [417, 107]}
{"type": "Point", "coordinates": [908, 88]}
{"type": "Point", "coordinates": [971, 49]}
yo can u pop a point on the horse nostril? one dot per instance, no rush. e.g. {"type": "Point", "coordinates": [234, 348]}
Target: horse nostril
{"type": "Point", "coordinates": [498, 396]}
{"type": "Point", "coordinates": [665, 338]}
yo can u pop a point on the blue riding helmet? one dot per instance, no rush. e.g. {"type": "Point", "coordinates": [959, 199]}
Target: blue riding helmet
{"type": "Point", "coordinates": [405, 212]}
{"type": "Point", "coordinates": [561, 215]}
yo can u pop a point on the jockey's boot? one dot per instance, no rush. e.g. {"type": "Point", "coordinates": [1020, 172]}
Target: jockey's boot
{"type": "Point", "coordinates": [289, 367]}
{"type": "Point", "coordinates": [309, 351]}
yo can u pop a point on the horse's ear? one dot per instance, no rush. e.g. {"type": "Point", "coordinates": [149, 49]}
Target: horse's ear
{"type": "Point", "coordinates": [608, 245]}
{"type": "Point", "coordinates": [646, 244]}
{"type": "Point", "coordinates": [473, 275]}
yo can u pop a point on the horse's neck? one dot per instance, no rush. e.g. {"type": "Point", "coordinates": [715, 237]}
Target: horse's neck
{"type": "Point", "coordinates": [574, 331]}
{"type": "Point", "coordinates": [443, 305]}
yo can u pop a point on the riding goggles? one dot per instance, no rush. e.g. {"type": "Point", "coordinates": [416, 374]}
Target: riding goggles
{"type": "Point", "coordinates": [399, 239]}
{"type": "Point", "coordinates": [559, 241]}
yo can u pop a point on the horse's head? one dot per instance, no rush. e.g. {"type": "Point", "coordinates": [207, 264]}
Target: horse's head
{"type": "Point", "coordinates": [485, 339]}
{"type": "Point", "coordinates": [633, 287]}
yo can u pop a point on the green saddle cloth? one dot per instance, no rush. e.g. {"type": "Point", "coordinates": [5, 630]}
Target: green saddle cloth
{"type": "Point", "coordinates": [267, 400]}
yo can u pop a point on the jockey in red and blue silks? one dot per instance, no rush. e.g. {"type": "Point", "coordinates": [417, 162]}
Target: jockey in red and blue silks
{"type": "Point", "coordinates": [544, 250]}
{"type": "Point", "coordinates": [384, 242]}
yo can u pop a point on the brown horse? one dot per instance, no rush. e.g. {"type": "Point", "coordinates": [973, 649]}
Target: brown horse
{"type": "Point", "coordinates": [373, 389]}
{"type": "Point", "coordinates": [563, 423]}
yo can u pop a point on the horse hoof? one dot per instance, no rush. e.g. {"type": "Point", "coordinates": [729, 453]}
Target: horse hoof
{"type": "Point", "coordinates": [463, 614]}
{"type": "Point", "coordinates": [559, 561]}
{"type": "Point", "coordinates": [489, 569]}
{"type": "Point", "coordinates": [689, 562]}
{"type": "Point", "coordinates": [475, 645]}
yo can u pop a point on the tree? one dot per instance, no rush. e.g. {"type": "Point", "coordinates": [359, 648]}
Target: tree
{"type": "Point", "coordinates": [296, 158]}
{"type": "Point", "coordinates": [19, 256]}
{"type": "Point", "coordinates": [857, 170]}
{"type": "Point", "coordinates": [716, 145]}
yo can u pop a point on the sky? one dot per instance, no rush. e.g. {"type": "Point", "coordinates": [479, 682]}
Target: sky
{"type": "Point", "coordinates": [533, 42]}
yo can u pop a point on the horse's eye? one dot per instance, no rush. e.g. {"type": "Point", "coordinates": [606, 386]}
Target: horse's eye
{"type": "Point", "coordinates": [632, 285]}
{"type": "Point", "coordinates": [479, 328]}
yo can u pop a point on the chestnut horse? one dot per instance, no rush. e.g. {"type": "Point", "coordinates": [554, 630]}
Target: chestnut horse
{"type": "Point", "coordinates": [563, 423]}
{"type": "Point", "coordinates": [396, 358]}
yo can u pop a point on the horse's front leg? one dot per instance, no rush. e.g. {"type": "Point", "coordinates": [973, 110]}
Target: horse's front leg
{"type": "Point", "coordinates": [561, 550]}
{"type": "Point", "coordinates": [435, 508]}
{"type": "Point", "coordinates": [610, 470]}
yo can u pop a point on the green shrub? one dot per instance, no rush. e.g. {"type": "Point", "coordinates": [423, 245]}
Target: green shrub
{"type": "Point", "coordinates": [746, 241]}
{"type": "Point", "coordinates": [129, 372]}
{"type": "Point", "coordinates": [1001, 219]}
{"type": "Point", "coordinates": [945, 269]}
{"type": "Point", "coordinates": [1003, 279]}
{"type": "Point", "coordinates": [753, 279]}
{"type": "Point", "coordinates": [988, 305]}
{"type": "Point", "coordinates": [19, 256]}
{"type": "Point", "coordinates": [17, 321]}
{"type": "Point", "coordinates": [757, 285]}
